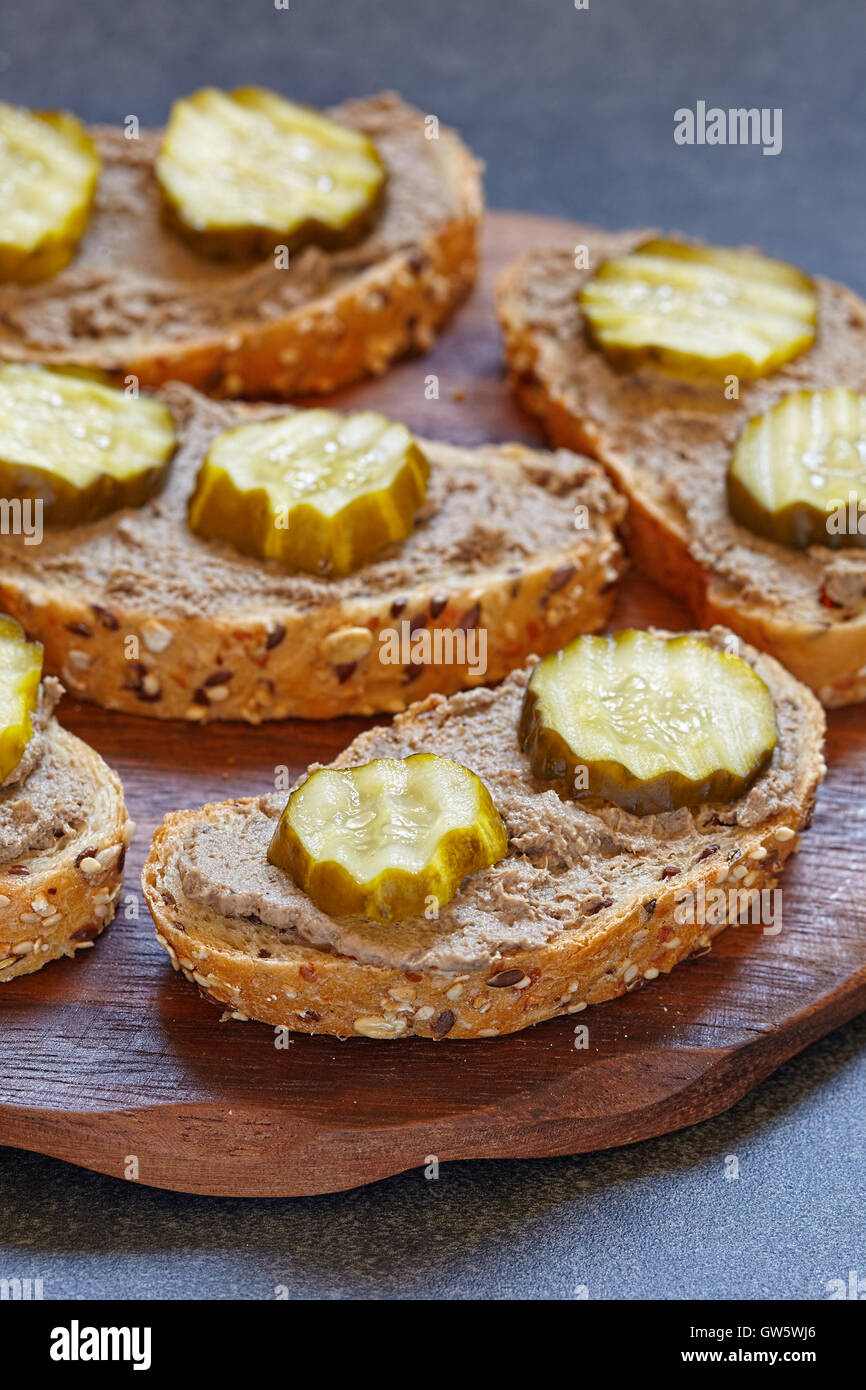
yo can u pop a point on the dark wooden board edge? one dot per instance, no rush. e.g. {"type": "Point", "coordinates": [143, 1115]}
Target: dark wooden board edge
{"type": "Point", "coordinates": [269, 1157]}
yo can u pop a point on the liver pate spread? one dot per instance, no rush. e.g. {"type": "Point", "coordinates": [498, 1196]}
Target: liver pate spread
{"type": "Point", "coordinates": [134, 277]}
{"type": "Point", "coordinates": [678, 435]}
{"type": "Point", "coordinates": [475, 518]}
{"type": "Point", "coordinates": [565, 862]}
{"type": "Point", "coordinates": [41, 801]}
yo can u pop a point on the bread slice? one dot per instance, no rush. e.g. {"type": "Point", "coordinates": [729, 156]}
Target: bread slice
{"type": "Point", "coordinates": [667, 443]}
{"type": "Point", "coordinates": [135, 300]}
{"type": "Point", "coordinates": [515, 547]}
{"type": "Point", "coordinates": [55, 901]}
{"type": "Point", "coordinates": [585, 907]}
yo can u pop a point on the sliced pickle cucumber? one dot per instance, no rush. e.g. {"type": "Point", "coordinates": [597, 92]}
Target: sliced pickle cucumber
{"type": "Point", "coordinates": [242, 171]}
{"type": "Point", "coordinates": [390, 839]}
{"type": "Point", "coordinates": [646, 722]}
{"type": "Point", "coordinates": [316, 491]}
{"type": "Point", "coordinates": [798, 473]}
{"type": "Point", "coordinates": [83, 448]}
{"type": "Point", "coordinates": [20, 674]}
{"type": "Point", "coordinates": [700, 310]}
{"type": "Point", "coordinates": [48, 173]}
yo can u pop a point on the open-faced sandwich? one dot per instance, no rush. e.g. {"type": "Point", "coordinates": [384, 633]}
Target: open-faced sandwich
{"type": "Point", "coordinates": [502, 856]}
{"type": "Point", "coordinates": [726, 394]}
{"type": "Point", "coordinates": [253, 248]}
{"type": "Point", "coordinates": [63, 823]}
{"type": "Point", "coordinates": [187, 558]}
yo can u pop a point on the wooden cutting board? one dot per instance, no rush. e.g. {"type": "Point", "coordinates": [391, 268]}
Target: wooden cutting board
{"type": "Point", "coordinates": [113, 1057]}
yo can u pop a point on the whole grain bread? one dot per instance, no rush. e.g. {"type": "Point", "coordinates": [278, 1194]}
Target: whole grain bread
{"type": "Point", "coordinates": [605, 890]}
{"type": "Point", "coordinates": [666, 443]}
{"type": "Point", "coordinates": [136, 301]}
{"type": "Point", "coordinates": [56, 901]}
{"type": "Point", "coordinates": [139, 614]}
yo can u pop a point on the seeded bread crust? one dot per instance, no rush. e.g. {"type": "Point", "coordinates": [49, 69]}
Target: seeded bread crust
{"type": "Point", "coordinates": [56, 902]}
{"type": "Point", "coordinates": [289, 664]}
{"type": "Point", "coordinates": [623, 946]}
{"type": "Point", "coordinates": [319, 661]}
{"type": "Point", "coordinates": [826, 650]}
{"type": "Point", "coordinates": [355, 330]}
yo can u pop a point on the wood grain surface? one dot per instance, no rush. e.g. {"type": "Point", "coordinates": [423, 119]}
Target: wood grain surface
{"type": "Point", "coordinates": [114, 1057]}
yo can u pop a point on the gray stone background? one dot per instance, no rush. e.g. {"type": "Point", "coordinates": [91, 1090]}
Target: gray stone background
{"type": "Point", "coordinates": [573, 112]}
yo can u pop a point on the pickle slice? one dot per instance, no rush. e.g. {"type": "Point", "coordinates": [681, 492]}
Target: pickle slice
{"type": "Point", "coordinates": [20, 674]}
{"type": "Point", "coordinates": [48, 173]}
{"type": "Point", "coordinates": [83, 448]}
{"type": "Point", "coordinates": [700, 310]}
{"type": "Point", "coordinates": [384, 839]}
{"type": "Point", "coordinates": [798, 473]}
{"type": "Point", "coordinates": [316, 490]}
{"type": "Point", "coordinates": [243, 170]}
{"type": "Point", "coordinates": [649, 723]}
